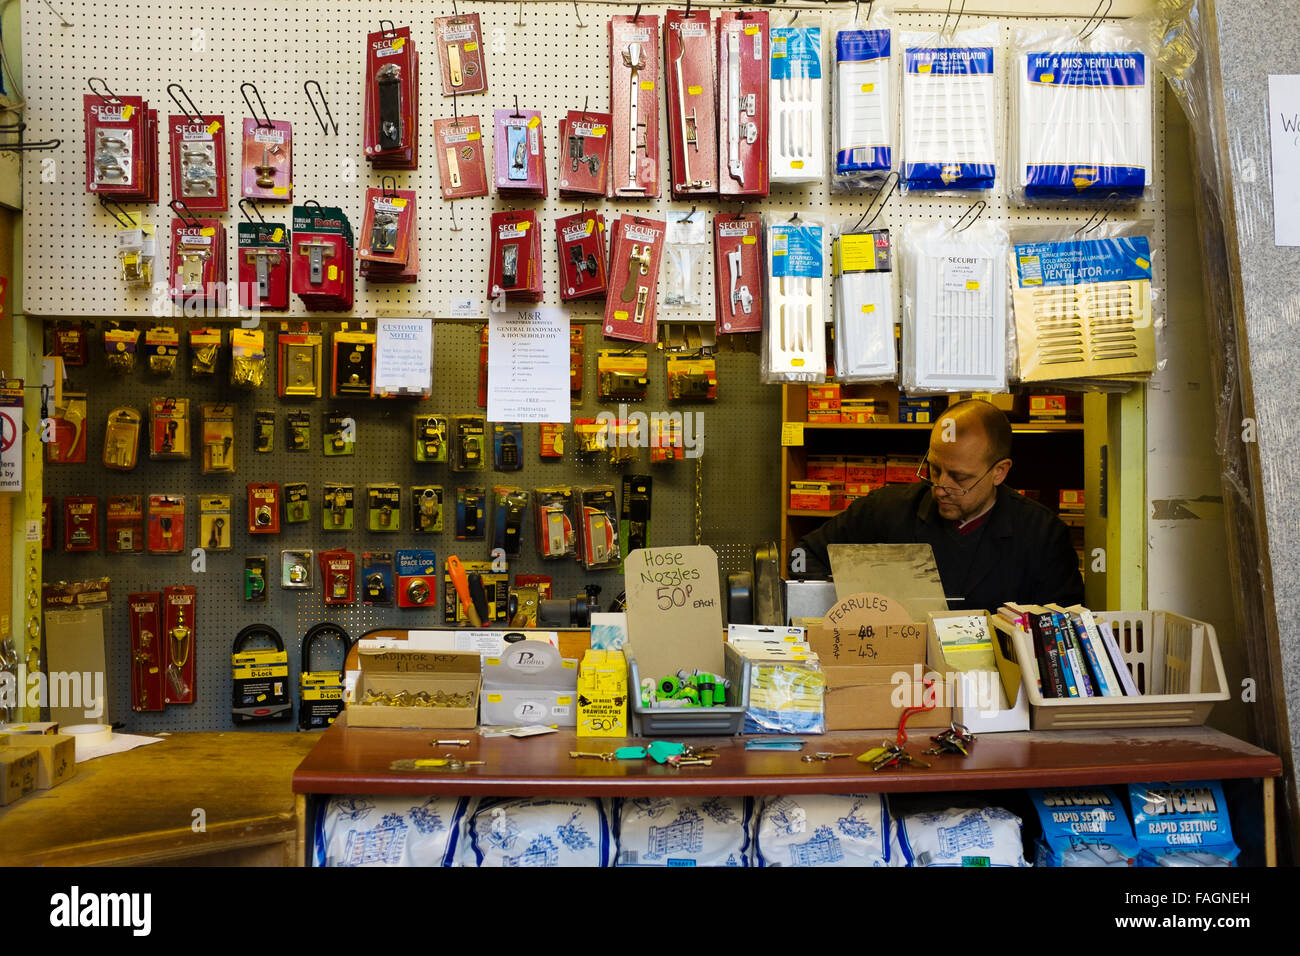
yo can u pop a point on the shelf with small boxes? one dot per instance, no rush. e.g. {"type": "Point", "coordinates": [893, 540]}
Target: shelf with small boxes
{"type": "Point", "coordinates": [840, 442]}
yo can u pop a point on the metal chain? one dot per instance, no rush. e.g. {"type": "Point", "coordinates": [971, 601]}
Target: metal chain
{"type": "Point", "coordinates": [699, 499]}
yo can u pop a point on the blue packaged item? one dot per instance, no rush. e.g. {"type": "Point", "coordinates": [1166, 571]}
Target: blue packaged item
{"type": "Point", "coordinates": [1083, 826]}
{"type": "Point", "coordinates": [1182, 824]}
{"type": "Point", "coordinates": [863, 144]}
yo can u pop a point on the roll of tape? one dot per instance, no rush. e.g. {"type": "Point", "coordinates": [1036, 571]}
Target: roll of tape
{"type": "Point", "coordinates": [90, 735]}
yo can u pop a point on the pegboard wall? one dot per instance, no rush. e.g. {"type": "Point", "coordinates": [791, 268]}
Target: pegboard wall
{"type": "Point", "coordinates": [556, 61]}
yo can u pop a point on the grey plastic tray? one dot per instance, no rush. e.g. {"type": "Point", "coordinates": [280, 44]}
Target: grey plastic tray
{"type": "Point", "coordinates": [727, 721]}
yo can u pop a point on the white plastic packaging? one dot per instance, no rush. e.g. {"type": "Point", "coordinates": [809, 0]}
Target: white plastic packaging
{"type": "Point", "coordinates": [864, 314]}
{"type": "Point", "coordinates": [390, 831]}
{"type": "Point", "coordinates": [864, 133]}
{"type": "Point", "coordinates": [955, 306]}
{"type": "Point", "coordinates": [1082, 123]}
{"type": "Point", "coordinates": [797, 103]}
{"type": "Point", "coordinates": [794, 319]}
{"type": "Point", "coordinates": [540, 831]}
{"type": "Point", "coordinates": [951, 118]}
{"type": "Point", "coordinates": [983, 836]}
{"type": "Point", "coordinates": [687, 240]}
{"type": "Point", "coordinates": [816, 830]}
{"type": "Point", "coordinates": [684, 831]}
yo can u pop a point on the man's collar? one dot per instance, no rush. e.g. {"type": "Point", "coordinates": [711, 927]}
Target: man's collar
{"type": "Point", "coordinates": [1000, 520]}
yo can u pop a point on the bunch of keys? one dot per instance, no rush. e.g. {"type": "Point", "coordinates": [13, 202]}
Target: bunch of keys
{"type": "Point", "coordinates": [957, 739]}
{"type": "Point", "coordinates": [446, 762]}
{"type": "Point", "coordinates": [822, 755]}
{"type": "Point", "coordinates": [889, 755]}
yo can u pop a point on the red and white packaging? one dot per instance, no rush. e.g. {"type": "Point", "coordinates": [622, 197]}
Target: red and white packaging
{"type": "Point", "coordinates": [147, 649]}
{"type": "Point", "coordinates": [81, 523]}
{"type": "Point", "coordinates": [462, 170]}
{"type": "Point", "coordinates": [121, 147]}
{"type": "Point", "coordinates": [636, 251]}
{"type": "Point", "coordinates": [742, 103]}
{"type": "Point", "coordinates": [690, 60]}
{"type": "Point", "coordinates": [516, 267]}
{"type": "Point", "coordinates": [178, 639]}
{"type": "Point", "coordinates": [263, 508]}
{"type": "Point", "coordinates": [634, 105]}
{"type": "Point", "coordinates": [321, 258]}
{"type": "Point", "coordinates": [267, 164]}
{"type": "Point", "coordinates": [263, 252]}
{"type": "Point", "coordinates": [392, 109]}
{"type": "Point", "coordinates": [198, 260]}
{"type": "Point", "coordinates": [338, 576]}
{"type": "Point", "coordinates": [738, 272]}
{"type": "Point", "coordinates": [580, 241]}
{"type": "Point", "coordinates": [166, 534]}
{"type": "Point", "coordinates": [460, 54]}
{"type": "Point", "coordinates": [388, 248]}
{"type": "Point", "coordinates": [198, 154]}
{"type": "Point", "coordinates": [584, 161]}
{"type": "Point", "coordinates": [520, 154]}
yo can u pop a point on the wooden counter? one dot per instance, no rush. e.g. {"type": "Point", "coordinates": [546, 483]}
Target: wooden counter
{"type": "Point", "coordinates": [138, 807]}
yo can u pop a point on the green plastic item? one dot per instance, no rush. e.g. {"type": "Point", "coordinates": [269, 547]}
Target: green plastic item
{"type": "Point", "coordinates": [660, 750]}
{"type": "Point", "coordinates": [630, 753]}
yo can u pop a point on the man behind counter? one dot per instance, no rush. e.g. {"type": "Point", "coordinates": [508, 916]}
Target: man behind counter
{"type": "Point", "coordinates": [991, 544]}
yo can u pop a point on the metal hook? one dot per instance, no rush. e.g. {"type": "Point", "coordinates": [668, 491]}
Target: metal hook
{"type": "Point", "coordinates": [455, 112]}
{"type": "Point", "coordinates": [1084, 32]}
{"type": "Point", "coordinates": [516, 114]}
{"type": "Point", "coordinates": [977, 208]}
{"type": "Point", "coordinates": [20, 146]}
{"type": "Point", "coordinates": [519, 19]}
{"type": "Point", "coordinates": [960, 13]}
{"type": "Point", "coordinates": [454, 11]}
{"type": "Point", "coordinates": [111, 98]}
{"type": "Point", "coordinates": [389, 191]}
{"type": "Point", "coordinates": [687, 14]}
{"type": "Point", "coordinates": [636, 17]}
{"type": "Point", "coordinates": [117, 213]}
{"type": "Point", "coordinates": [793, 18]}
{"type": "Point", "coordinates": [391, 29]}
{"type": "Point", "coordinates": [1108, 205]}
{"type": "Point", "coordinates": [255, 209]}
{"type": "Point", "coordinates": [313, 202]}
{"type": "Point", "coordinates": [881, 207]}
{"type": "Point", "coordinates": [585, 101]}
{"type": "Point", "coordinates": [795, 218]}
{"type": "Point", "coordinates": [192, 112]}
{"type": "Point", "coordinates": [578, 16]}
{"type": "Point", "coordinates": [687, 217]}
{"type": "Point", "coordinates": [62, 21]}
{"type": "Point", "coordinates": [455, 226]}
{"type": "Point", "coordinates": [179, 207]}
{"type": "Point", "coordinates": [324, 102]}
{"type": "Point", "coordinates": [243, 89]}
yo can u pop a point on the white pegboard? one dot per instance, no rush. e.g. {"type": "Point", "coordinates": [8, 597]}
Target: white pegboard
{"type": "Point", "coordinates": [69, 262]}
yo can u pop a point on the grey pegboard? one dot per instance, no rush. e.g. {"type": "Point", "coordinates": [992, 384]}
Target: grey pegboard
{"type": "Point", "coordinates": [551, 64]}
{"type": "Point", "coordinates": [737, 473]}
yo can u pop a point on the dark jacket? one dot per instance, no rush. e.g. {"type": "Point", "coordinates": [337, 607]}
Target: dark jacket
{"type": "Point", "coordinates": [1021, 553]}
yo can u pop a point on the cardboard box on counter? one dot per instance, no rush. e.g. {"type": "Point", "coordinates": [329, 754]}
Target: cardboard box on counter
{"type": "Point", "coordinates": [18, 768]}
{"type": "Point", "coordinates": [530, 683]}
{"type": "Point", "coordinates": [389, 670]}
{"type": "Point", "coordinates": [56, 755]}
{"type": "Point", "coordinates": [602, 694]}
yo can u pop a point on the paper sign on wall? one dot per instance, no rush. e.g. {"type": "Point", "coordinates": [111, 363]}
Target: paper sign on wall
{"type": "Point", "coordinates": [1284, 132]}
{"type": "Point", "coordinates": [528, 366]}
{"type": "Point", "coordinates": [403, 357]}
{"type": "Point", "coordinates": [11, 436]}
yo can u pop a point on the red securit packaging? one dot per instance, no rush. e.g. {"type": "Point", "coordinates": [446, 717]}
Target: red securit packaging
{"type": "Point", "coordinates": [636, 249]}
{"type": "Point", "coordinates": [263, 266]}
{"type": "Point", "coordinates": [742, 103]}
{"type": "Point", "coordinates": [690, 59]}
{"type": "Point", "coordinates": [198, 152]}
{"type": "Point", "coordinates": [634, 105]}
{"type": "Point", "coordinates": [178, 638]}
{"type": "Point", "coordinates": [322, 258]}
{"type": "Point", "coordinates": [391, 129]}
{"type": "Point", "coordinates": [338, 575]}
{"type": "Point", "coordinates": [125, 521]}
{"type": "Point", "coordinates": [738, 272]}
{"type": "Point", "coordinates": [584, 164]}
{"type": "Point", "coordinates": [121, 147]}
{"type": "Point", "coordinates": [147, 649]}
{"type": "Point", "coordinates": [267, 164]}
{"type": "Point", "coordinates": [388, 248]}
{"type": "Point", "coordinates": [462, 170]}
{"type": "Point", "coordinates": [198, 260]}
{"type": "Point", "coordinates": [519, 152]}
{"type": "Point", "coordinates": [460, 54]}
{"type": "Point", "coordinates": [263, 508]}
{"type": "Point", "coordinates": [516, 268]}
{"type": "Point", "coordinates": [166, 524]}
{"type": "Point", "coordinates": [81, 523]}
{"type": "Point", "coordinates": [580, 240]}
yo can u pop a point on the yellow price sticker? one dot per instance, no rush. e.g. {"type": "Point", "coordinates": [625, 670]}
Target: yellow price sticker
{"type": "Point", "coordinates": [620, 315]}
{"type": "Point", "coordinates": [868, 307]}
{"type": "Point", "coordinates": [694, 89]}
{"type": "Point", "coordinates": [281, 190]}
{"type": "Point", "coordinates": [399, 203]}
{"type": "Point", "coordinates": [749, 240]}
{"type": "Point", "coordinates": [535, 122]}
{"type": "Point", "coordinates": [277, 236]}
{"type": "Point", "coordinates": [472, 136]}
{"type": "Point", "coordinates": [590, 226]}
{"type": "Point", "coordinates": [494, 698]}
{"type": "Point", "coordinates": [1048, 78]}
{"type": "Point", "coordinates": [868, 87]}
{"type": "Point", "coordinates": [334, 273]}
{"type": "Point", "coordinates": [1143, 263]}
{"type": "Point", "coordinates": [399, 43]}
{"type": "Point", "coordinates": [213, 127]}
{"type": "Point", "coordinates": [791, 434]}
{"type": "Point", "coordinates": [128, 112]}
{"type": "Point", "coordinates": [598, 131]}
{"type": "Point", "coordinates": [751, 31]}
{"type": "Point", "coordinates": [471, 46]}
{"type": "Point", "coordinates": [207, 231]}
{"type": "Point", "coordinates": [796, 164]}
{"type": "Point", "coordinates": [523, 226]}
{"type": "Point", "coordinates": [972, 286]}
{"type": "Point", "coordinates": [492, 661]}
{"type": "Point", "coordinates": [923, 68]}
{"type": "Point", "coordinates": [647, 84]}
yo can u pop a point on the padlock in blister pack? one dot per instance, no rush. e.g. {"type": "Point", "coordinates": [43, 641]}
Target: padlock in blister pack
{"type": "Point", "coordinates": [297, 502]}
{"type": "Point", "coordinates": [384, 507]}
{"type": "Point", "coordinates": [263, 508]}
{"type": "Point", "coordinates": [377, 578]}
{"type": "Point", "coordinates": [338, 576]}
{"type": "Point", "coordinates": [296, 570]}
{"type": "Point", "coordinates": [431, 438]}
{"type": "Point", "coordinates": [338, 507]}
{"type": "Point", "coordinates": [426, 509]}
{"type": "Point", "coordinates": [417, 578]}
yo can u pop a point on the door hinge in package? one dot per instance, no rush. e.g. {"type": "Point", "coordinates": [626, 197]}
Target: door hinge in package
{"type": "Point", "coordinates": [738, 272]}
{"type": "Point", "coordinates": [636, 248]}
{"type": "Point", "coordinates": [162, 346]}
{"type": "Point", "coordinates": [198, 160]}
{"type": "Point", "coordinates": [690, 55]}
{"type": "Point", "coordinates": [322, 258]}
{"type": "Point", "coordinates": [1084, 305]}
{"type": "Point", "coordinates": [954, 306]}
{"type": "Point", "coordinates": [390, 248]}
{"type": "Point", "coordinates": [634, 105]}
{"type": "Point", "coordinates": [198, 260]}
{"type": "Point", "coordinates": [950, 110]}
{"type": "Point", "coordinates": [263, 266]}
{"type": "Point", "coordinates": [392, 108]}
{"type": "Point", "coordinates": [460, 54]}
{"type": "Point", "coordinates": [121, 146]}
{"type": "Point", "coordinates": [864, 128]}
{"type": "Point", "coordinates": [864, 307]}
{"type": "Point", "coordinates": [686, 241]}
{"type": "Point", "coordinates": [519, 153]}
{"type": "Point", "coordinates": [260, 677]}
{"type": "Point", "coordinates": [516, 267]}
{"type": "Point", "coordinates": [462, 170]}
{"type": "Point", "coordinates": [797, 101]}
{"type": "Point", "coordinates": [580, 241]}
{"type": "Point", "coordinates": [584, 163]}
{"type": "Point", "coordinates": [742, 103]}
{"type": "Point", "coordinates": [1083, 113]}
{"type": "Point", "coordinates": [266, 170]}
{"type": "Point", "coordinates": [794, 334]}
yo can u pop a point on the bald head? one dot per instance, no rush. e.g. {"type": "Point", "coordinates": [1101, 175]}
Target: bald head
{"type": "Point", "coordinates": [974, 417]}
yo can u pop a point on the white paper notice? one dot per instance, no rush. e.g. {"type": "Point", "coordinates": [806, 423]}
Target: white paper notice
{"type": "Point", "coordinates": [403, 356]}
{"type": "Point", "coordinates": [1284, 131]}
{"type": "Point", "coordinates": [528, 366]}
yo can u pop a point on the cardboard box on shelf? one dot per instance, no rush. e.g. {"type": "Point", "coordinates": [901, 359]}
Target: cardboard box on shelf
{"type": "Point", "coordinates": [825, 468]}
{"type": "Point", "coordinates": [901, 470]}
{"type": "Point", "coordinates": [1047, 408]}
{"type": "Point", "coordinates": [986, 695]}
{"type": "Point", "coordinates": [863, 475]}
{"type": "Point", "coordinates": [863, 411]}
{"type": "Point", "coordinates": [602, 694]}
{"type": "Point", "coordinates": [389, 670]}
{"type": "Point", "coordinates": [1071, 499]}
{"type": "Point", "coordinates": [816, 496]}
{"type": "Point", "coordinates": [56, 755]}
{"type": "Point", "coordinates": [17, 773]}
{"type": "Point", "coordinates": [867, 698]}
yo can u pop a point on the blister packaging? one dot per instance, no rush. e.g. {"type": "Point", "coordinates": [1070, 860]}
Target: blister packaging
{"type": "Point", "coordinates": [797, 101]}
{"type": "Point", "coordinates": [864, 319]}
{"type": "Point", "coordinates": [794, 331]}
{"type": "Point", "coordinates": [864, 131]}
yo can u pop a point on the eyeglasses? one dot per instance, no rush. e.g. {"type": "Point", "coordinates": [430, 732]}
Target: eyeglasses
{"type": "Point", "coordinates": [923, 474]}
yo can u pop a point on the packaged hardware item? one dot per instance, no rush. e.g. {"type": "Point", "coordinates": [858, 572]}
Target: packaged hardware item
{"type": "Point", "coordinates": [461, 54]}
{"type": "Point", "coordinates": [198, 160]}
{"type": "Point", "coordinates": [973, 836]}
{"type": "Point", "coordinates": [864, 307]}
{"type": "Point", "coordinates": [738, 272]}
{"type": "Point", "coordinates": [824, 830]}
{"type": "Point", "coordinates": [864, 129]}
{"type": "Point", "coordinates": [684, 831]}
{"type": "Point", "coordinates": [179, 637]}
{"type": "Point", "coordinates": [321, 678]}
{"type": "Point", "coordinates": [121, 439]}
{"type": "Point", "coordinates": [554, 521]}
{"type": "Point", "coordinates": [634, 105]}
{"type": "Point", "coordinates": [743, 81]}
{"type": "Point", "coordinates": [598, 527]}
{"type": "Point", "coordinates": [1083, 826]}
{"type": "Point", "coordinates": [462, 169]}
{"type": "Point", "coordinates": [1182, 824]}
{"type": "Point", "coordinates": [392, 101]}
{"type": "Point", "coordinates": [794, 332]}
{"type": "Point", "coordinates": [263, 267]}
{"type": "Point", "coordinates": [584, 164]}
{"type": "Point", "coordinates": [540, 831]}
{"type": "Point", "coordinates": [357, 831]}
{"type": "Point", "coordinates": [169, 428]}
{"type": "Point", "coordinates": [690, 55]}
{"type": "Point", "coordinates": [520, 167]}
{"type": "Point", "coordinates": [797, 98]}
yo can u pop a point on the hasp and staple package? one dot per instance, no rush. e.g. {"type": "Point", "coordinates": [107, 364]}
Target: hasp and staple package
{"type": "Point", "coordinates": [1083, 127]}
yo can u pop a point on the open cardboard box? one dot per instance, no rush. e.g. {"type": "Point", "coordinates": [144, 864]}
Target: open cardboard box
{"type": "Point", "coordinates": [987, 698]}
{"type": "Point", "coordinates": [392, 669]}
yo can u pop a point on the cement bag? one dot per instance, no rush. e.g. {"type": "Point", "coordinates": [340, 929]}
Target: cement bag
{"type": "Point", "coordinates": [539, 831]}
{"type": "Point", "coordinates": [390, 831]}
{"type": "Point", "coordinates": [685, 831]}
{"type": "Point", "coordinates": [816, 830]}
{"type": "Point", "coordinates": [979, 836]}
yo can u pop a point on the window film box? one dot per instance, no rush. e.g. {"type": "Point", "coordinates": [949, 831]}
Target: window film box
{"type": "Point", "coordinates": [529, 683]}
{"type": "Point", "coordinates": [391, 670]}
